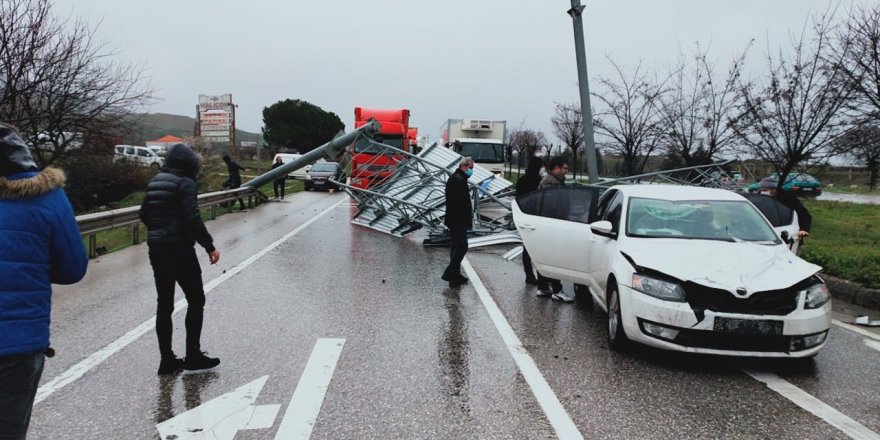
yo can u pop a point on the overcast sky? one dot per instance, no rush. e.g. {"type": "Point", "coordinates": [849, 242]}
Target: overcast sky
{"type": "Point", "coordinates": [475, 59]}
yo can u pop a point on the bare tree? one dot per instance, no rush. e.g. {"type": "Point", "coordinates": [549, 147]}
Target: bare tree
{"type": "Point", "coordinates": [568, 127]}
{"type": "Point", "coordinates": [863, 144]}
{"type": "Point", "coordinates": [526, 142]}
{"type": "Point", "coordinates": [629, 117]}
{"type": "Point", "coordinates": [857, 46]}
{"type": "Point", "coordinates": [698, 107]}
{"type": "Point", "coordinates": [795, 114]}
{"type": "Point", "coordinates": [58, 84]}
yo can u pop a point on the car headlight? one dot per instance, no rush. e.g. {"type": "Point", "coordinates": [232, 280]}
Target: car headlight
{"type": "Point", "coordinates": [817, 296]}
{"type": "Point", "coordinates": [665, 290]}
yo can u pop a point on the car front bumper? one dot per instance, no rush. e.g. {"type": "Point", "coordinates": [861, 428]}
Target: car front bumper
{"type": "Point", "coordinates": [675, 326]}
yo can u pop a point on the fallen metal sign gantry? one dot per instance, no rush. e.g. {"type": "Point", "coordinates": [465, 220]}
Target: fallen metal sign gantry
{"type": "Point", "coordinates": [411, 193]}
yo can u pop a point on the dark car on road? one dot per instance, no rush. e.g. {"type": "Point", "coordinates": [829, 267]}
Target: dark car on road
{"type": "Point", "coordinates": [320, 174]}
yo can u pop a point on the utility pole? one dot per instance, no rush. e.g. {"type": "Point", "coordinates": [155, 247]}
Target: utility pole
{"type": "Point", "coordinates": [584, 81]}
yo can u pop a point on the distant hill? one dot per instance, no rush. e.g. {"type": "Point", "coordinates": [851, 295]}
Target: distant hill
{"type": "Point", "coordinates": [155, 125]}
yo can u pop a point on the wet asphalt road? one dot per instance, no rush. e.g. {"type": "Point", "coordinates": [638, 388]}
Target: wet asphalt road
{"type": "Point", "coordinates": [419, 360]}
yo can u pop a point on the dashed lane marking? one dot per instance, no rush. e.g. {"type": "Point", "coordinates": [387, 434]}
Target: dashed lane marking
{"type": "Point", "coordinates": [873, 344]}
{"type": "Point", "coordinates": [811, 404]}
{"type": "Point", "coordinates": [77, 371]}
{"type": "Point", "coordinates": [855, 329]}
{"type": "Point", "coordinates": [553, 409]}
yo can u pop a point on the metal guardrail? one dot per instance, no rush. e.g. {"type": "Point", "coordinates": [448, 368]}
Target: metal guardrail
{"type": "Point", "coordinates": [91, 224]}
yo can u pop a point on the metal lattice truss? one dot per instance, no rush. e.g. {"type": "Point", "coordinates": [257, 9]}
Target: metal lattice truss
{"type": "Point", "coordinates": [408, 191]}
{"type": "Point", "coordinates": [711, 175]}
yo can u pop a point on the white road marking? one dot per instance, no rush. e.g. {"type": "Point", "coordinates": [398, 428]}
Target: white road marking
{"type": "Point", "coordinates": [855, 329]}
{"type": "Point", "coordinates": [222, 417]}
{"type": "Point", "coordinates": [813, 405]}
{"type": "Point", "coordinates": [553, 409]}
{"type": "Point", "coordinates": [304, 406]}
{"type": "Point", "coordinates": [77, 371]}
{"type": "Point", "coordinates": [873, 344]}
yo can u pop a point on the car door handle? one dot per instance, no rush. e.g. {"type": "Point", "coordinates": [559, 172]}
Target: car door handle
{"type": "Point", "coordinates": [529, 227]}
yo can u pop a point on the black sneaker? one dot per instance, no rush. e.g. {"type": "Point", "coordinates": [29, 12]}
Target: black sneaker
{"type": "Point", "coordinates": [170, 365]}
{"type": "Point", "coordinates": [200, 362]}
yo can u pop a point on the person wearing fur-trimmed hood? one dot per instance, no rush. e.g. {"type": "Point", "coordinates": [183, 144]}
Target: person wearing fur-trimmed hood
{"type": "Point", "coordinates": [40, 245]}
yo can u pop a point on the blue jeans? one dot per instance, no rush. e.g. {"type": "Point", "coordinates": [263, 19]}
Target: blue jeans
{"type": "Point", "coordinates": [19, 379]}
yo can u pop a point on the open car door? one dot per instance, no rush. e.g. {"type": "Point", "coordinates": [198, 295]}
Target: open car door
{"type": "Point", "coordinates": [783, 218]}
{"type": "Point", "coordinates": [554, 226]}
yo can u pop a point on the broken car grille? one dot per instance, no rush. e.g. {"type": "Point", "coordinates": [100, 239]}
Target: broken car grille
{"type": "Point", "coordinates": [771, 302]}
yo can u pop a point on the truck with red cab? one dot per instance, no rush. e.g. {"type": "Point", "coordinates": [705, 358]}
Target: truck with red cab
{"type": "Point", "coordinates": [370, 163]}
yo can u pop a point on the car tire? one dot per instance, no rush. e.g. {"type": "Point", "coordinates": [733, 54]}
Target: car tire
{"type": "Point", "coordinates": [582, 297]}
{"type": "Point", "coordinates": [154, 166]}
{"type": "Point", "coordinates": [617, 339]}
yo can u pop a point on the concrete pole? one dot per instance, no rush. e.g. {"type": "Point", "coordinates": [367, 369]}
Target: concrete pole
{"type": "Point", "coordinates": [584, 81]}
{"type": "Point", "coordinates": [330, 151]}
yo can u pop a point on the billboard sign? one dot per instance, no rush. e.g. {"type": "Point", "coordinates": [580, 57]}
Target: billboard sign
{"type": "Point", "coordinates": [216, 117]}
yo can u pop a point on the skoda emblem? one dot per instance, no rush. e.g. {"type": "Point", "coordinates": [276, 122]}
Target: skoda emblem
{"type": "Point", "coordinates": [741, 291]}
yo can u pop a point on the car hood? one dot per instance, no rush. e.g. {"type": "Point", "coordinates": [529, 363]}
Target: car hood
{"type": "Point", "coordinates": [722, 265]}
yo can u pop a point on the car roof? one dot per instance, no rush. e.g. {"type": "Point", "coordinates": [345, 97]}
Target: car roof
{"type": "Point", "coordinates": [677, 192]}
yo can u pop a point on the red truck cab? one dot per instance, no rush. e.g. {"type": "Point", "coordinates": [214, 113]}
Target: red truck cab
{"type": "Point", "coordinates": [370, 164]}
{"type": "Point", "coordinates": [413, 137]}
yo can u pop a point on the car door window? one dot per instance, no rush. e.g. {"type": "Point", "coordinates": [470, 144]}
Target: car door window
{"type": "Point", "coordinates": [569, 203]}
{"type": "Point", "coordinates": [777, 213]}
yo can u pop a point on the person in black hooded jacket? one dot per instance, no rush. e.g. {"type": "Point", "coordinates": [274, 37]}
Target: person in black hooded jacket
{"type": "Point", "coordinates": [526, 184]}
{"type": "Point", "coordinates": [174, 224]}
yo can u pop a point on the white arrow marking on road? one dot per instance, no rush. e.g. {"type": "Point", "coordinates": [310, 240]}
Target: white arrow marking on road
{"type": "Point", "coordinates": [222, 417]}
{"type": "Point", "coordinates": [302, 412]}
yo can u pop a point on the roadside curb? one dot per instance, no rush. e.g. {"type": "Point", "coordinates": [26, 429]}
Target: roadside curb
{"type": "Point", "coordinates": [852, 292]}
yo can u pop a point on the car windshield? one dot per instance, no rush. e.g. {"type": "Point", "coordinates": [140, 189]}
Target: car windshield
{"type": "Point", "coordinates": [483, 153]}
{"type": "Point", "coordinates": [364, 145]}
{"type": "Point", "coordinates": [725, 220]}
{"type": "Point", "coordinates": [324, 167]}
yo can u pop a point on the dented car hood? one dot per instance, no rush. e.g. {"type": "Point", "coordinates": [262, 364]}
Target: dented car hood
{"type": "Point", "coordinates": [721, 264]}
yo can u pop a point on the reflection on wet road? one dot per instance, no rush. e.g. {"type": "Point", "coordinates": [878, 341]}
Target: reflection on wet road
{"type": "Point", "coordinates": [420, 360]}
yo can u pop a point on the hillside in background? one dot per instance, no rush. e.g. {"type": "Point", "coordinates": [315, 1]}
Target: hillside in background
{"type": "Point", "coordinates": [155, 125]}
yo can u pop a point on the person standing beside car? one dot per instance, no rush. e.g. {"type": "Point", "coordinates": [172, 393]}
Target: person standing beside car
{"type": "Point", "coordinates": [458, 219]}
{"type": "Point", "coordinates": [39, 245]}
{"type": "Point", "coordinates": [174, 225]}
{"type": "Point", "coordinates": [770, 187]}
{"type": "Point", "coordinates": [234, 180]}
{"type": "Point", "coordinates": [278, 184]}
{"type": "Point", "coordinates": [526, 184]}
{"type": "Point", "coordinates": [555, 178]}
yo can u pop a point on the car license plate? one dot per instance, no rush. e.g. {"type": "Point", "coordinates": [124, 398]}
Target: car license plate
{"type": "Point", "coordinates": [748, 326]}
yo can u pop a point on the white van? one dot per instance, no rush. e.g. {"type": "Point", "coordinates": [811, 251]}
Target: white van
{"type": "Point", "coordinates": [295, 174]}
{"type": "Point", "coordinates": [142, 156]}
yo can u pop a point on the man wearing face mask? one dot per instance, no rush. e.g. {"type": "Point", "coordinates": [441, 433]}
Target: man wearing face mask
{"type": "Point", "coordinates": [770, 187]}
{"type": "Point", "coordinates": [458, 219]}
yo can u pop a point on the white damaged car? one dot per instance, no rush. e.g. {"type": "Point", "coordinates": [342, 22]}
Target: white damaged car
{"type": "Point", "coordinates": [679, 267]}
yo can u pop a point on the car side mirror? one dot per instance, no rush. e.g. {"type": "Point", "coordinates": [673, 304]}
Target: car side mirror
{"type": "Point", "coordinates": [602, 227]}
{"type": "Point", "coordinates": [785, 237]}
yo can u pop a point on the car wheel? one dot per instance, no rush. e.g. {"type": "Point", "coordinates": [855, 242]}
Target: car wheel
{"type": "Point", "coordinates": [154, 166]}
{"type": "Point", "coordinates": [582, 296]}
{"type": "Point", "coordinates": [616, 337]}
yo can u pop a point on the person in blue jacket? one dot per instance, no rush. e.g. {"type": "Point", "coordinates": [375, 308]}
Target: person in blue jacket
{"type": "Point", "coordinates": [40, 245]}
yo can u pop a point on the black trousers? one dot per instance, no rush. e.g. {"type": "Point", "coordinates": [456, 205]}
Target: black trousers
{"type": "Point", "coordinates": [19, 379]}
{"type": "Point", "coordinates": [278, 187]}
{"type": "Point", "coordinates": [178, 265]}
{"type": "Point", "coordinates": [458, 247]}
{"type": "Point", "coordinates": [527, 265]}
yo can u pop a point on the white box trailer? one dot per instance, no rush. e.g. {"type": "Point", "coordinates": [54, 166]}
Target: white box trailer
{"type": "Point", "coordinates": [480, 139]}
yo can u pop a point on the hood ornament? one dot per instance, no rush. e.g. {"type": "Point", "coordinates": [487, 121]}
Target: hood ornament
{"type": "Point", "coordinates": [741, 291]}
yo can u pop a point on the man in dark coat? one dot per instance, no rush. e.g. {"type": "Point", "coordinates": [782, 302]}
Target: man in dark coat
{"type": "Point", "coordinates": [171, 212]}
{"type": "Point", "coordinates": [39, 245]}
{"type": "Point", "coordinates": [278, 184]}
{"type": "Point", "coordinates": [556, 171]}
{"type": "Point", "coordinates": [526, 184]}
{"type": "Point", "coordinates": [458, 219]}
{"type": "Point", "coordinates": [234, 180]}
